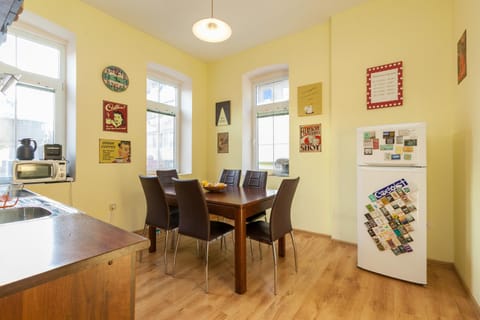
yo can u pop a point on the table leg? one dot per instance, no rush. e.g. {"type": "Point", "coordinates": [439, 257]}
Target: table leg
{"type": "Point", "coordinates": [152, 235]}
{"type": "Point", "coordinates": [240, 253]}
{"type": "Point", "coordinates": [281, 247]}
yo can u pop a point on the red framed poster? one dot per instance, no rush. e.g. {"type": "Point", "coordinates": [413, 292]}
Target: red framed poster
{"type": "Point", "coordinates": [311, 138]}
{"type": "Point", "coordinates": [114, 116]}
{"type": "Point", "coordinates": [385, 86]}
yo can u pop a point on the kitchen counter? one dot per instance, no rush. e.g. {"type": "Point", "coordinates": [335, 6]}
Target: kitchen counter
{"type": "Point", "coordinates": [35, 253]}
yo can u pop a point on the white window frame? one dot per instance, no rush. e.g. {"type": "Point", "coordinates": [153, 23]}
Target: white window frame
{"type": "Point", "coordinates": [281, 107]}
{"type": "Point", "coordinates": [158, 107]}
{"type": "Point", "coordinates": [36, 80]}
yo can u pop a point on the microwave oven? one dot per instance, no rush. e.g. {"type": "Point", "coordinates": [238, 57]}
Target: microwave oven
{"type": "Point", "coordinates": [35, 171]}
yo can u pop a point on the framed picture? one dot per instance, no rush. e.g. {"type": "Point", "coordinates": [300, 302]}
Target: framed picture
{"type": "Point", "coordinates": [222, 113]}
{"type": "Point", "coordinates": [385, 86]}
{"type": "Point", "coordinates": [462, 57]}
{"type": "Point", "coordinates": [114, 151]}
{"type": "Point", "coordinates": [311, 138]}
{"type": "Point", "coordinates": [222, 142]}
{"type": "Point", "coordinates": [310, 99]}
{"type": "Point", "coordinates": [115, 116]}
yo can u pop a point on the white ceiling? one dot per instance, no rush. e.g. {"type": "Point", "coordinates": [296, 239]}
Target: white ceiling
{"type": "Point", "coordinates": [253, 21]}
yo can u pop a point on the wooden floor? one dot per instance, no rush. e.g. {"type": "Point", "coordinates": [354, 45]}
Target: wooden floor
{"type": "Point", "coordinates": [327, 286]}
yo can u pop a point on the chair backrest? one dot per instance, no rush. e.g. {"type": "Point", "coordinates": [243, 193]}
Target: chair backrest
{"type": "Point", "coordinates": [255, 179]}
{"type": "Point", "coordinates": [194, 220]}
{"type": "Point", "coordinates": [231, 177]}
{"type": "Point", "coordinates": [280, 220]}
{"type": "Point", "coordinates": [158, 213]}
{"type": "Point", "coordinates": [165, 177]}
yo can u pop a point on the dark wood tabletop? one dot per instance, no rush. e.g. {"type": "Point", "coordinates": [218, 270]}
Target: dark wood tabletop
{"type": "Point", "coordinates": [236, 203]}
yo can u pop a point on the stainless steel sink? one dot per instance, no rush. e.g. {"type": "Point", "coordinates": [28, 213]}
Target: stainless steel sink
{"type": "Point", "coordinates": [22, 214]}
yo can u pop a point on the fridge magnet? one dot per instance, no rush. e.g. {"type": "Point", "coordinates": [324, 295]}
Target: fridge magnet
{"type": "Point", "coordinates": [115, 79]}
{"type": "Point", "coordinates": [391, 231]}
{"type": "Point", "coordinates": [462, 57]}
{"type": "Point", "coordinates": [114, 151]}
{"type": "Point", "coordinates": [367, 151]}
{"type": "Point", "coordinates": [311, 138]}
{"type": "Point", "coordinates": [385, 86]}
{"type": "Point", "coordinates": [114, 116]}
{"type": "Point", "coordinates": [222, 142]}
{"type": "Point", "coordinates": [310, 99]}
{"type": "Point", "coordinates": [222, 113]}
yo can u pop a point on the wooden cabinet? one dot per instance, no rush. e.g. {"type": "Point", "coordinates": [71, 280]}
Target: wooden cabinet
{"type": "Point", "coordinates": [67, 267]}
{"type": "Point", "coordinates": [102, 291]}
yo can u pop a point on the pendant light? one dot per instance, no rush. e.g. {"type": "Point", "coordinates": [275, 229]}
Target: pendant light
{"type": "Point", "coordinates": [211, 29]}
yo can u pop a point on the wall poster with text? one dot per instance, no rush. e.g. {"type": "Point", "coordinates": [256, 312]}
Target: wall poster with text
{"type": "Point", "coordinates": [311, 138]}
{"type": "Point", "coordinates": [114, 151]}
{"type": "Point", "coordinates": [114, 116]}
{"type": "Point", "coordinates": [385, 86]}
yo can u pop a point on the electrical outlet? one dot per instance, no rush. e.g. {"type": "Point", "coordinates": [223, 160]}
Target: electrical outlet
{"type": "Point", "coordinates": [112, 206]}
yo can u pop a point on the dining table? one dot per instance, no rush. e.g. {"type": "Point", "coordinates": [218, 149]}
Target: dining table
{"type": "Point", "coordinates": [237, 204]}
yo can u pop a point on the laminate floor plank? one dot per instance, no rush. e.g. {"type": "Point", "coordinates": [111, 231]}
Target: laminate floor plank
{"type": "Point", "coordinates": [328, 285]}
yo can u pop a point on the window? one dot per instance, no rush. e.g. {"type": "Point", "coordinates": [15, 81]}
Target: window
{"type": "Point", "coordinates": [272, 125]}
{"type": "Point", "coordinates": [35, 106]}
{"type": "Point", "coordinates": [163, 101]}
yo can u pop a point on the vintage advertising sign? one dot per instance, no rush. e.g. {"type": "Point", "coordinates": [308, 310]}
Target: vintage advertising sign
{"type": "Point", "coordinates": [385, 86]}
{"type": "Point", "coordinates": [310, 99]}
{"type": "Point", "coordinates": [114, 151]}
{"type": "Point", "coordinates": [311, 138]}
{"type": "Point", "coordinates": [115, 116]}
{"type": "Point", "coordinates": [115, 79]}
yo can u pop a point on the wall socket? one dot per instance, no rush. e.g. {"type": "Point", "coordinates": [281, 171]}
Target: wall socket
{"type": "Point", "coordinates": [112, 206]}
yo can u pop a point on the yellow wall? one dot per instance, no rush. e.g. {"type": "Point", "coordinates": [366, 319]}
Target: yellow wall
{"type": "Point", "coordinates": [308, 58]}
{"type": "Point", "coordinates": [419, 34]}
{"type": "Point", "coordinates": [466, 141]}
{"type": "Point", "coordinates": [102, 41]}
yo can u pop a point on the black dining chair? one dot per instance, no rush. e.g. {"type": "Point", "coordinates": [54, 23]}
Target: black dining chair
{"type": "Point", "coordinates": [195, 220]}
{"type": "Point", "coordinates": [256, 179]}
{"type": "Point", "coordinates": [159, 214]}
{"type": "Point", "coordinates": [231, 177]}
{"type": "Point", "coordinates": [280, 222]}
{"type": "Point", "coordinates": [165, 177]}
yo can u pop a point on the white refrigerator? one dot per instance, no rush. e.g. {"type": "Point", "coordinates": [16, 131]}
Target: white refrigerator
{"type": "Point", "coordinates": [391, 201]}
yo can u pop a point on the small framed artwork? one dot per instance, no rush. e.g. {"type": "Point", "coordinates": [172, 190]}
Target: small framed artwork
{"type": "Point", "coordinates": [115, 116]}
{"type": "Point", "coordinates": [311, 138]}
{"type": "Point", "coordinates": [222, 113]}
{"type": "Point", "coordinates": [310, 99]}
{"type": "Point", "coordinates": [462, 57]}
{"type": "Point", "coordinates": [385, 86]}
{"type": "Point", "coordinates": [222, 142]}
{"type": "Point", "coordinates": [114, 151]}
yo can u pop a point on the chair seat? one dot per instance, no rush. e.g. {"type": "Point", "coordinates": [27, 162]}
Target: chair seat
{"type": "Point", "coordinates": [259, 231]}
{"type": "Point", "coordinates": [218, 228]}
{"type": "Point", "coordinates": [256, 216]}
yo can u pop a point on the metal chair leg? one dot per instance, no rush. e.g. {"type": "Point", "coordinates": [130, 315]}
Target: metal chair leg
{"type": "Point", "coordinates": [274, 251]}
{"type": "Point", "coordinates": [294, 251]}
{"type": "Point", "coordinates": [175, 253]}
{"type": "Point", "coordinates": [251, 248]}
{"type": "Point", "coordinates": [165, 250]}
{"type": "Point", "coordinates": [260, 250]}
{"type": "Point", "coordinates": [206, 266]}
